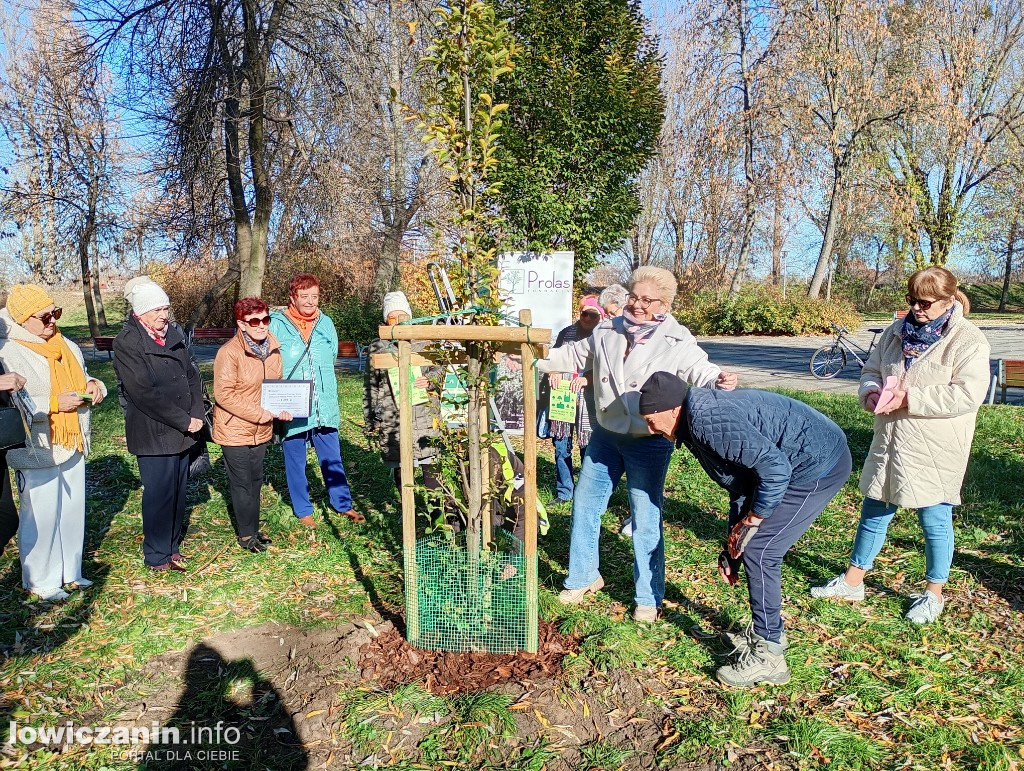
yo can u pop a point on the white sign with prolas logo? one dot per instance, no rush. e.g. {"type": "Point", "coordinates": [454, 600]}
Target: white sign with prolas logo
{"type": "Point", "coordinates": [542, 282]}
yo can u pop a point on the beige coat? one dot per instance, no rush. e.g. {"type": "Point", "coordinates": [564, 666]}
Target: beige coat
{"type": "Point", "coordinates": [35, 368]}
{"type": "Point", "coordinates": [919, 453]}
{"type": "Point", "coordinates": [617, 379]}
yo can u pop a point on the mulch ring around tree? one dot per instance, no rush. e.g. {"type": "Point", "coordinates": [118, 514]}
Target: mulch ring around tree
{"type": "Point", "coordinates": [392, 661]}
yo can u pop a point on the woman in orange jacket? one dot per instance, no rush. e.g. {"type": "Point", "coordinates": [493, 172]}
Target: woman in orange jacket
{"type": "Point", "coordinates": [241, 426]}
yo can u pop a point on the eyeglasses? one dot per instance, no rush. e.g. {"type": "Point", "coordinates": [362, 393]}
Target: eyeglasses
{"type": "Point", "coordinates": [642, 302]}
{"type": "Point", "coordinates": [49, 316]}
{"type": "Point", "coordinates": [258, 321]}
{"type": "Point", "coordinates": [922, 304]}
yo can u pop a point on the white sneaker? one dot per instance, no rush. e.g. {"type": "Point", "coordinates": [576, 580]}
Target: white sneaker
{"type": "Point", "coordinates": [645, 614]}
{"type": "Point", "coordinates": [576, 596]}
{"type": "Point", "coordinates": [926, 608]}
{"type": "Point", "coordinates": [627, 528]}
{"type": "Point", "coordinates": [52, 595]}
{"type": "Point", "coordinates": [80, 583]}
{"type": "Point", "coordinates": [838, 589]}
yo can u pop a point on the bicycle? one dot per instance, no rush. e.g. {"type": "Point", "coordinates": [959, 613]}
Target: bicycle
{"type": "Point", "coordinates": [829, 360]}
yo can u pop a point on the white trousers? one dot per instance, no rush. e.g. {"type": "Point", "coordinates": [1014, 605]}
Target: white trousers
{"type": "Point", "coordinates": [51, 535]}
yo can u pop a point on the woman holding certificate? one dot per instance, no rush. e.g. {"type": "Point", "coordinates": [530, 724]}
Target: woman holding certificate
{"type": "Point", "coordinates": [309, 348]}
{"type": "Point", "coordinates": [241, 425]}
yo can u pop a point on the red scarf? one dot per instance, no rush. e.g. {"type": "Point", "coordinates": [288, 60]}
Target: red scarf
{"type": "Point", "coordinates": [154, 335]}
{"type": "Point", "coordinates": [304, 323]}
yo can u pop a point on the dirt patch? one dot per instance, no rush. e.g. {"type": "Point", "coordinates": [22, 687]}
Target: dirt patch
{"type": "Point", "coordinates": [288, 693]}
{"type": "Point", "coordinates": [390, 660]}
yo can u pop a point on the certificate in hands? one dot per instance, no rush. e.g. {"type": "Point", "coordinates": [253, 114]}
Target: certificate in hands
{"type": "Point", "coordinates": [294, 396]}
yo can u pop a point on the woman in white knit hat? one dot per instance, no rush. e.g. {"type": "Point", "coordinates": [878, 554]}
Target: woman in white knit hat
{"type": "Point", "coordinates": [163, 413]}
{"type": "Point", "coordinates": [50, 469]}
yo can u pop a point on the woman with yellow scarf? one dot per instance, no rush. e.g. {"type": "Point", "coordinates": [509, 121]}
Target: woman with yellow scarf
{"type": "Point", "coordinates": [50, 469]}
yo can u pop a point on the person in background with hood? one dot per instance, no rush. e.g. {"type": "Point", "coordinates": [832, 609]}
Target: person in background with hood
{"type": "Point", "coordinates": [309, 349]}
{"type": "Point", "coordinates": [241, 426]}
{"type": "Point", "coordinates": [781, 462]}
{"type": "Point", "coordinates": [163, 414]}
{"type": "Point", "coordinates": [50, 469]}
{"type": "Point", "coordinates": [621, 354]}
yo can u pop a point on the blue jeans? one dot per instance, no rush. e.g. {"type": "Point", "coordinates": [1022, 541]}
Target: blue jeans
{"type": "Point", "coordinates": [644, 460]}
{"type": "Point", "coordinates": [936, 521]}
{"type": "Point", "coordinates": [328, 452]}
{"type": "Point", "coordinates": [564, 485]}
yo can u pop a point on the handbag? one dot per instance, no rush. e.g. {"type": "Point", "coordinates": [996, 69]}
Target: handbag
{"type": "Point", "coordinates": [280, 429]}
{"type": "Point", "coordinates": [12, 428]}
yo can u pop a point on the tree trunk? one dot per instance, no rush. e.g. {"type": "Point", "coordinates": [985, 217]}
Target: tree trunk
{"type": "Point", "coordinates": [748, 157]}
{"type": "Point", "coordinates": [84, 238]}
{"type": "Point", "coordinates": [777, 238]}
{"type": "Point", "coordinates": [825, 255]}
{"type": "Point", "coordinates": [97, 295]}
{"type": "Point", "coordinates": [1011, 246]}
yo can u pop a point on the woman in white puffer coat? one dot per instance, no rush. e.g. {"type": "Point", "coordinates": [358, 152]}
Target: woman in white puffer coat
{"type": "Point", "coordinates": [924, 427]}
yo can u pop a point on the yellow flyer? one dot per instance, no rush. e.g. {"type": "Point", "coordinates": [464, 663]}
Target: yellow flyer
{"type": "Point", "coordinates": [419, 395]}
{"type": "Point", "coordinates": [562, 406]}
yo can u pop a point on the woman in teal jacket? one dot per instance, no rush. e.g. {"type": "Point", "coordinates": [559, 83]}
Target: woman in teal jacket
{"type": "Point", "coordinates": [309, 348]}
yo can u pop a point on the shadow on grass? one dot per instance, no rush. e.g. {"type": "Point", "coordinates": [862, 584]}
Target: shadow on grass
{"type": "Point", "coordinates": [219, 730]}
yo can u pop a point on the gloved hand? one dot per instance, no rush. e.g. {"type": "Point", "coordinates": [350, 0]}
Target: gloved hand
{"type": "Point", "coordinates": [741, 535]}
{"type": "Point", "coordinates": [728, 568]}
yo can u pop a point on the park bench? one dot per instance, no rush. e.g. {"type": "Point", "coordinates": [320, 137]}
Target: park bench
{"type": "Point", "coordinates": [104, 343]}
{"type": "Point", "coordinates": [1009, 374]}
{"type": "Point", "coordinates": [200, 335]}
{"type": "Point", "coordinates": [350, 350]}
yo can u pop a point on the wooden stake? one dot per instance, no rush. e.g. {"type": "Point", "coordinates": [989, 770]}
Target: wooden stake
{"type": "Point", "coordinates": [412, 600]}
{"type": "Point", "coordinates": [485, 477]}
{"type": "Point", "coordinates": [470, 332]}
{"type": "Point", "coordinates": [530, 488]}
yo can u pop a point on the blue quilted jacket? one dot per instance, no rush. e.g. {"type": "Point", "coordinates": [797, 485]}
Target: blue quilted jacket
{"type": "Point", "coordinates": [756, 443]}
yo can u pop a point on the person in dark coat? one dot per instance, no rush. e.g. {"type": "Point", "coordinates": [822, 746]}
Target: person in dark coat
{"type": "Point", "coordinates": [781, 462]}
{"type": "Point", "coordinates": [9, 381]}
{"type": "Point", "coordinates": [163, 414]}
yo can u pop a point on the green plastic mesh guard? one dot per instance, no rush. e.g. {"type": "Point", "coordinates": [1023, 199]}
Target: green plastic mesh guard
{"type": "Point", "coordinates": [464, 607]}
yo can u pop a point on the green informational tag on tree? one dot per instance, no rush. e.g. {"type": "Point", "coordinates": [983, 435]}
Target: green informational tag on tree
{"type": "Point", "coordinates": [419, 395]}
{"type": "Point", "coordinates": [562, 406]}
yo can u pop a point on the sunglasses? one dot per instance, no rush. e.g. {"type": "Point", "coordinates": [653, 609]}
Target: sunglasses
{"type": "Point", "coordinates": [259, 321]}
{"type": "Point", "coordinates": [49, 316]}
{"type": "Point", "coordinates": [922, 304]}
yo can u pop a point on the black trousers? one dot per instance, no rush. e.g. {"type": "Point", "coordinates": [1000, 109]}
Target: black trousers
{"type": "Point", "coordinates": [8, 511]}
{"type": "Point", "coordinates": [245, 476]}
{"type": "Point", "coordinates": [164, 478]}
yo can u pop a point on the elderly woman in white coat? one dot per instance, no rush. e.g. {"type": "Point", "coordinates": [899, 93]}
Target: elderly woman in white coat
{"type": "Point", "coordinates": [50, 469]}
{"type": "Point", "coordinates": [620, 355]}
{"type": "Point", "coordinates": [925, 381]}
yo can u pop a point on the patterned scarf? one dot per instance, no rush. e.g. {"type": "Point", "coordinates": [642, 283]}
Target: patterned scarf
{"type": "Point", "coordinates": [638, 332]}
{"type": "Point", "coordinates": [66, 374]}
{"type": "Point", "coordinates": [156, 336]}
{"type": "Point", "coordinates": [918, 338]}
{"type": "Point", "coordinates": [262, 350]}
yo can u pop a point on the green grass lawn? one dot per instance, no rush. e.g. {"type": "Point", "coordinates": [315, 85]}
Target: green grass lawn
{"type": "Point", "coordinates": [868, 690]}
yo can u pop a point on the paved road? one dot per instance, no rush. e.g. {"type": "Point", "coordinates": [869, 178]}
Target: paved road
{"type": "Point", "coordinates": [783, 362]}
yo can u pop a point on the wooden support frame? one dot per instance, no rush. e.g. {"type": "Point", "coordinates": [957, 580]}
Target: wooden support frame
{"type": "Point", "coordinates": [529, 343]}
